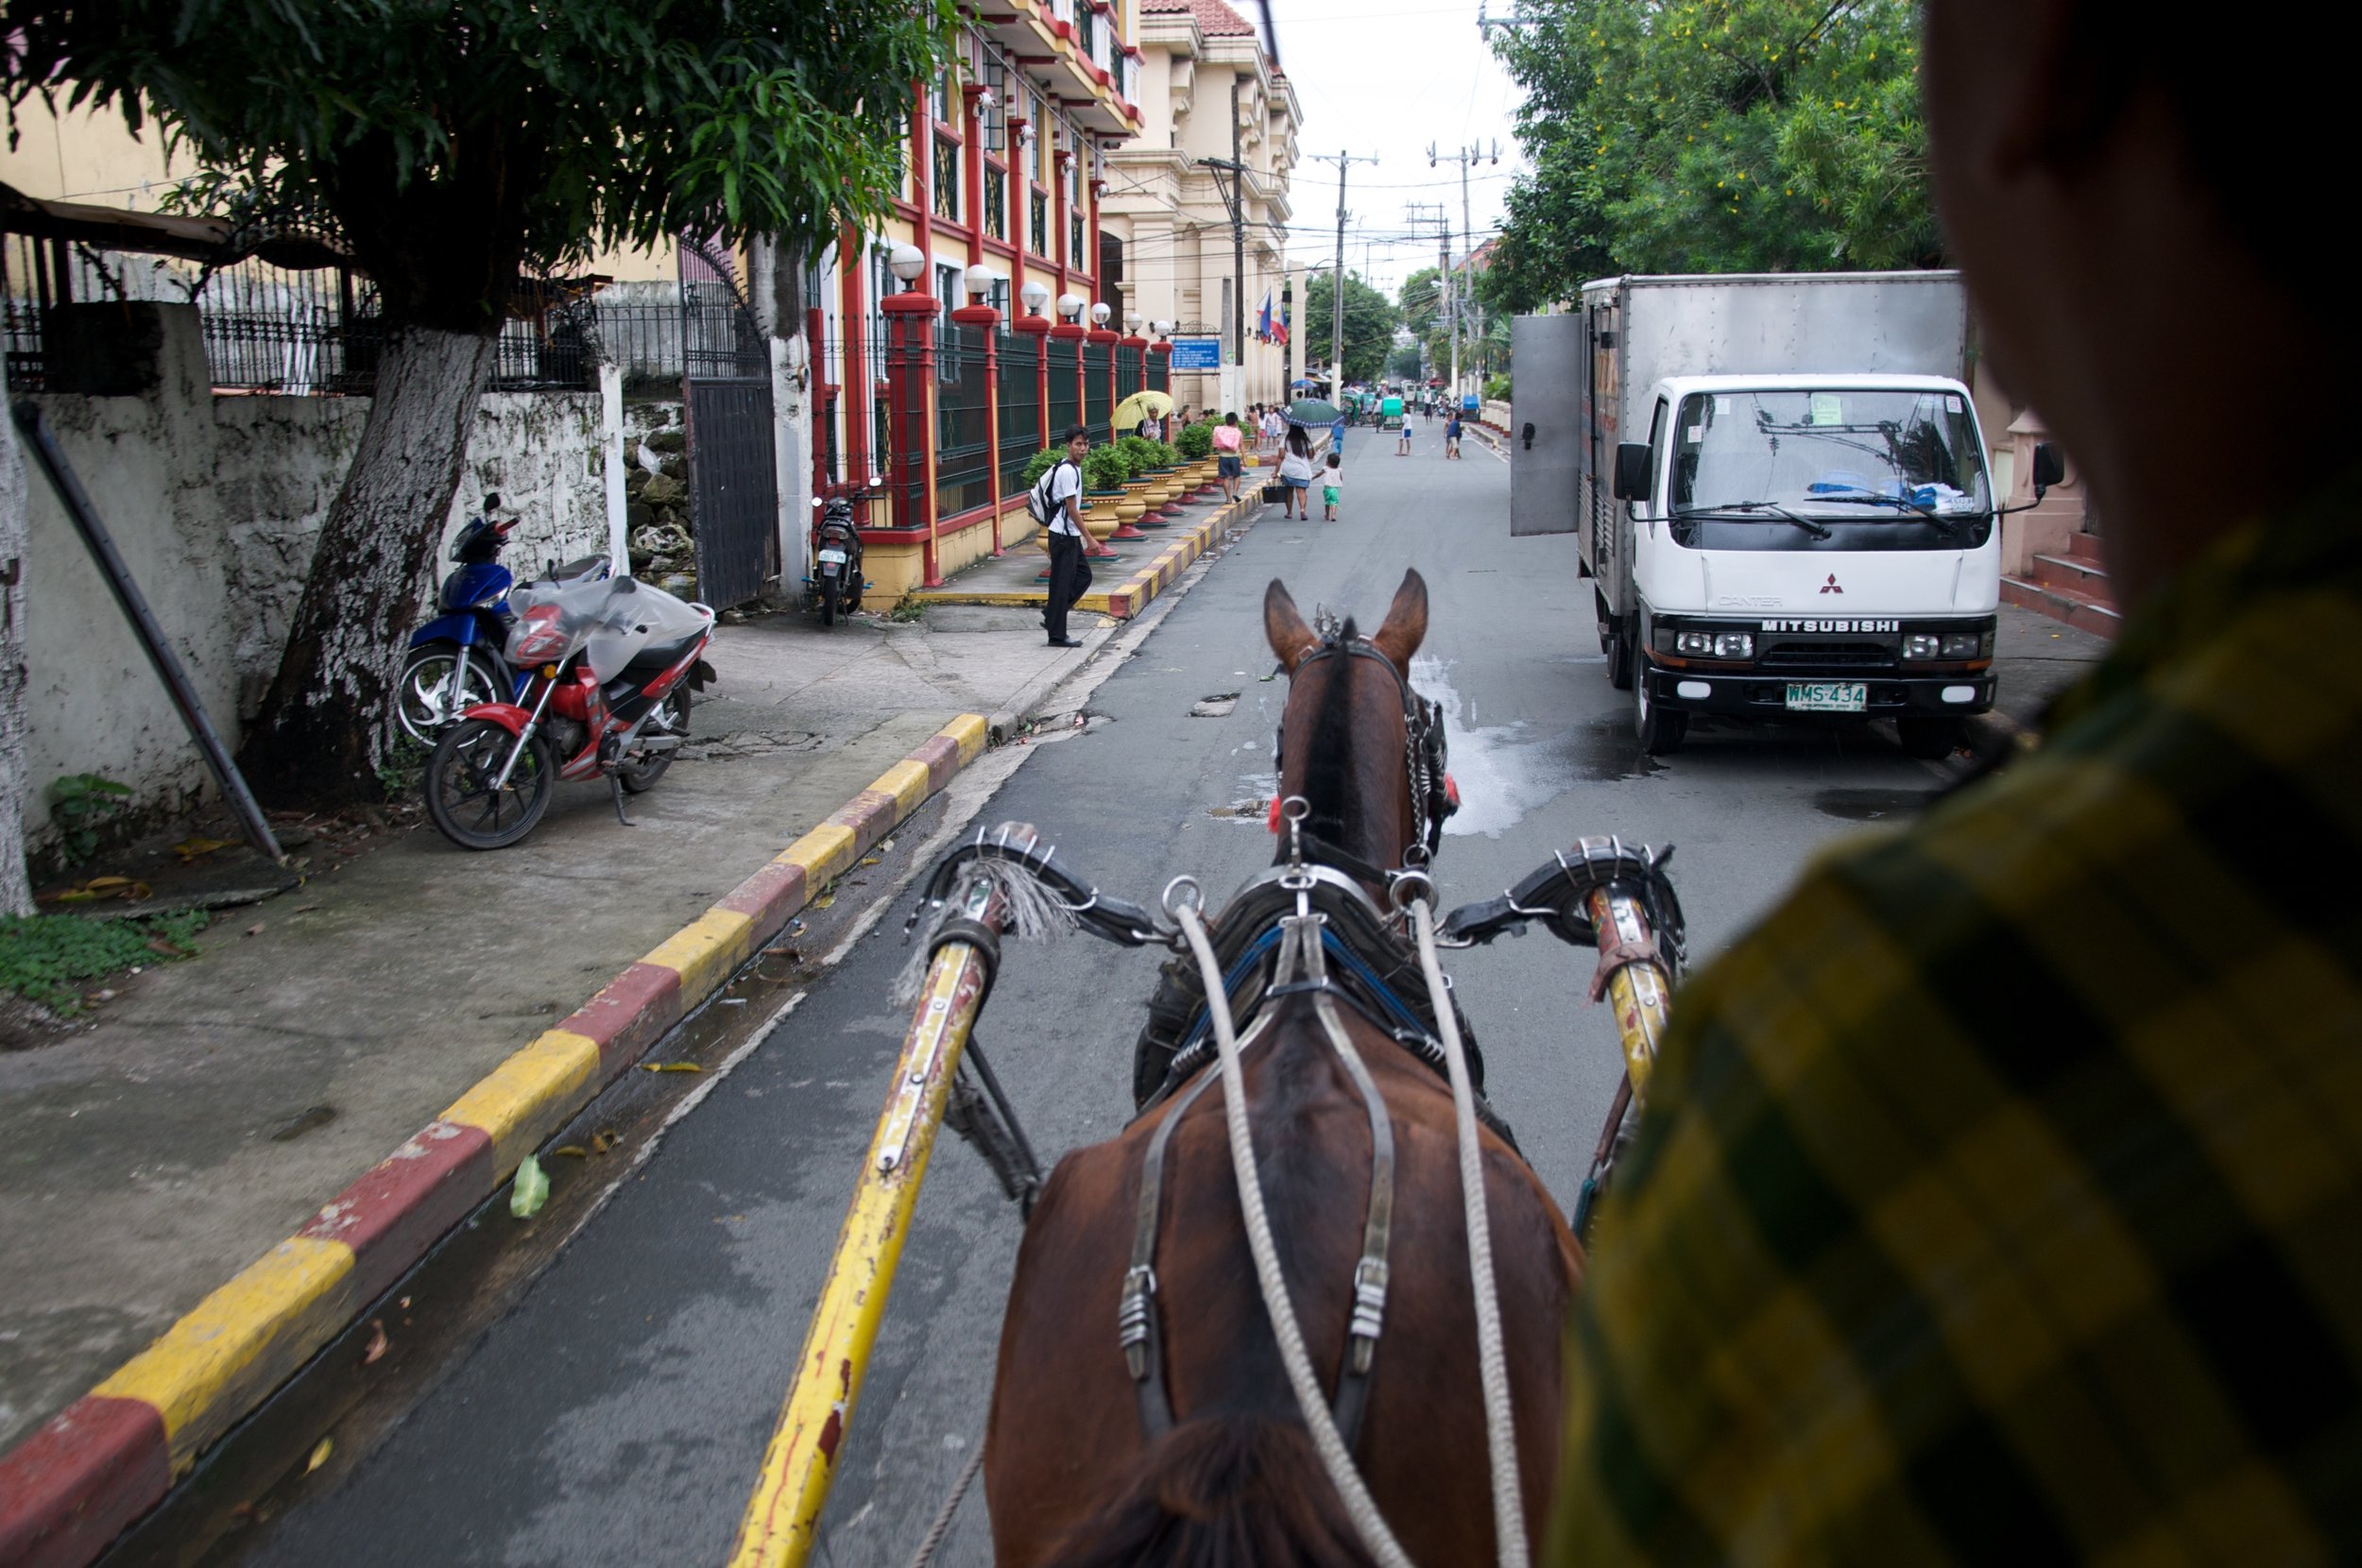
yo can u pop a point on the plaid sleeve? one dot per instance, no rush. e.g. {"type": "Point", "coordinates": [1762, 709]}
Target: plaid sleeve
{"type": "Point", "coordinates": [2001, 1197]}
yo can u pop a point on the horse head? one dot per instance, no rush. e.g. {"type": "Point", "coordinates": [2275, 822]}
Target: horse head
{"type": "Point", "coordinates": [1362, 750]}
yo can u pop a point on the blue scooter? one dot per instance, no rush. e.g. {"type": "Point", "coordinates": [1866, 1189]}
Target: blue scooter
{"type": "Point", "coordinates": [456, 660]}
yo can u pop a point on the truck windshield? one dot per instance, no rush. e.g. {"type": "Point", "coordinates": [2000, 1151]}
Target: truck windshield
{"type": "Point", "coordinates": [1900, 470]}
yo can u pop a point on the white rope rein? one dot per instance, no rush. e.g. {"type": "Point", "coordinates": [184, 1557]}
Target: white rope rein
{"type": "Point", "coordinates": [1500, 1429]}
{"type": "Point", "coordinates": [1359, 1507]}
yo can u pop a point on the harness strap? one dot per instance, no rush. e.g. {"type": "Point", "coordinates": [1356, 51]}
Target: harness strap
{"type": "Point", "coordinates": [1369, 1275]}
{"type": "Point", "coordinates": [1616, 955]}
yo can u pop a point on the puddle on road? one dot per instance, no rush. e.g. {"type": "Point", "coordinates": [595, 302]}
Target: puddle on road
{"type": "Point", "coordinates": [1872, 805]}
{"type": "Point", "coordinates": [1506, 771]}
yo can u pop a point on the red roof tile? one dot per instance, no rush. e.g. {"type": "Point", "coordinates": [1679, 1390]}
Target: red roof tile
{"type": "Point", "coordinates": [1214, 19]}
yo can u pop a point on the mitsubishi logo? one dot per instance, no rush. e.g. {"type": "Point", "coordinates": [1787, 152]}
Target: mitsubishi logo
{"type": "Point", "coordinates": [1830, 587]}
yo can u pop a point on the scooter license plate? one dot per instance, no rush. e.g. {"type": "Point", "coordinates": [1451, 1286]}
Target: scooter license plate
{"type": "Point", "coordinates": [833, 557]}
{"type": "Point", "coordinates": [1827, 696]}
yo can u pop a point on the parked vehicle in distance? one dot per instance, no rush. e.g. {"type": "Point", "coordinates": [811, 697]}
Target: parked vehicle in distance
{"type": "Point", "coordinates": [456, 660]}
{"type": "Point", "coordinates": [834, 584]}
{"type": "Point", "coordinates": [1781, 494]}
{"type": "Point", "coordinates": [610, 664]}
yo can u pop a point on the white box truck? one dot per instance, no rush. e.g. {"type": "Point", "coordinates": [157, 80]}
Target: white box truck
{"type": "Point", "coordinates": [1781, 493]}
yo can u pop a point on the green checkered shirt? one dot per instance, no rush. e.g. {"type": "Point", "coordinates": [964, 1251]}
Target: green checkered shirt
{"type": "Point", "coordinates": [2000, 1195]}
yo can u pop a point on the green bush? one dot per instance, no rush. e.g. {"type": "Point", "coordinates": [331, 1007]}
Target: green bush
{"type": "Point", "coordinates": [1197, 443]}
{"type": "Point", "coordinates": [1038, 465]}
{"type": "Point", "coordinates": [45, 958]}
{"type": "Point", "coordinates": [1139, 453]}
{"type": "Point", "coordinates": [1168, 456]}
{"type": "Point", "coordinates": [1105, 469]}
{"type": "Point", "coordinates": [1496, 390]}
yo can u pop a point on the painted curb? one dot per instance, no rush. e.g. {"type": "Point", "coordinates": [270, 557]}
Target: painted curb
{"type": "Point", "coordinates": [71, 1488]}
{"type": "Point", "coordinates": [1131, 595]}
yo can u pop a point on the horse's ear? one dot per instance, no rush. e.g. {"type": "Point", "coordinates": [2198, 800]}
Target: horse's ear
{"type": "Point", "coordinates": [1291, 638]}
{"type": "Point", "coordinates": [1406, 623]}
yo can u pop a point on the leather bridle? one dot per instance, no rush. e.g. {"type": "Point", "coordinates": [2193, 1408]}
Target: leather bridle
{"type": "Point", "coordinates": [1433, 798]}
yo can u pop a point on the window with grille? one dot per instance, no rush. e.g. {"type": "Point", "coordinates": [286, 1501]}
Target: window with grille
{"type": "Point", "coordinates": [1041, 224]}
{"type": "Point", "coordinates": [995, 202]}
{"type": "Point", "coordinates": [947, 179]}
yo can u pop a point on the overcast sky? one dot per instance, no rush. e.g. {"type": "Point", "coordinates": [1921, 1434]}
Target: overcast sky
{"type": "Point", "coordinates": [1387, 77]}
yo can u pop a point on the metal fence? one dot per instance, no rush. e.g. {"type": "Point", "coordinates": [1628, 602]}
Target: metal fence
{"type": "Point", "coordinates": [964, 454]}
{"type": "Point", "coordinates": [1066, 409]}
{"type": "Point", "coordinates": [1160, 373]}
{"type": "Point", "coordinates": [1097, 410]}
{"type": "Point", "coordinates": [1127, 371]}
{"type": "Point", "coordinates": [1020, 408]}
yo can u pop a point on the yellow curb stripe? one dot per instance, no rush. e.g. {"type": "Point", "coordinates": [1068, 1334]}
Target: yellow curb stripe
{"type": "Point", "coordinates": [705, 952]}
{"type": "Point", "coordinates": [824, 852]}
{"type": "Point", "coordinates": [530, 1095]}
{"type": "Point", "coordinates": [972, 731]}
{"type": "Point", "coordinates": [907, 783]}
{"type": "Point", "coordinates": [237, 1344]}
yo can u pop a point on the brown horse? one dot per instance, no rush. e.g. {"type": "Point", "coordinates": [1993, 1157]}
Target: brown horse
{"type": "Point", "coordinates": [1071, 1477]}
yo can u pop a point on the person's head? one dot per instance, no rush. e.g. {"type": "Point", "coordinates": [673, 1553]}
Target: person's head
{"type": "Point", "coordinates": [1078, 442]}
{"type": "Point", "coordinates": [1230, 420]}
{"type": "Point", "coordinates": [2127, 200]}
{"type": "Point", "coordinates": [1298, 442]}
{"type": "Point", "coordinates": [1335, 461]}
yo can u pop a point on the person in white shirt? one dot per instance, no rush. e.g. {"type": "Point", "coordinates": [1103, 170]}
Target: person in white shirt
{"type": "Point", "coordinates": [1060, 493]}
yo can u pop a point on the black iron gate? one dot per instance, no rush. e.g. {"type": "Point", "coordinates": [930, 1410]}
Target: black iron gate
{"type": "Point", "coordinates": [733, 489]}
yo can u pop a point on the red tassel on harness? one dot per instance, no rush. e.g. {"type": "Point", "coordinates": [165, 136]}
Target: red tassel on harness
{"type": "Point", "coordinates": [1271, 821]}
{"type": "Point", "coordinates": [1451, 791]}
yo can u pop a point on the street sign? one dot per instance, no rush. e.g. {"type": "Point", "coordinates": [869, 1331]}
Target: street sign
{"type": "Point", "coordinates": [1196, 353]}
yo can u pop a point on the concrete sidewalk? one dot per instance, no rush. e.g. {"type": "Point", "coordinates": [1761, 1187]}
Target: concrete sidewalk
{"type": "Point", "coordinates": [212, 1107]}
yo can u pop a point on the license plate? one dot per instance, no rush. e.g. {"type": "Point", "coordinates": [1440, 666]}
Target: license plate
{"type": "Point", "coordinates": [1827, 696]}
{"type": "Point", "coordinates": [833, 557]}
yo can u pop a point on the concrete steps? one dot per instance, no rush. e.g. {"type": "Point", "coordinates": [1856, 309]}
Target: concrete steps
{"type": "Point", "coordinates": [2070, 586]}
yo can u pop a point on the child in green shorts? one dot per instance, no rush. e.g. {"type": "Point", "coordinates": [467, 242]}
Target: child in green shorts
{"type": "Point", "coordinates": [1333, 481]}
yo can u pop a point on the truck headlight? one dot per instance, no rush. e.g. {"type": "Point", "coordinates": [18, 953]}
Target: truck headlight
{"type": "Point", "coordinates": [1962, 645]}
{"type": "Point", "coordinates": [1697, 644]}
{"type": "Point", "coordinates": [1733, 645]}
{"type": "Point", "coordinates": [1921, 645]}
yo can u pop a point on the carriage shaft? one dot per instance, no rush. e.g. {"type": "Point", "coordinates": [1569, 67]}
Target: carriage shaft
{"type": "Point", "coordinates": [1639, 992]}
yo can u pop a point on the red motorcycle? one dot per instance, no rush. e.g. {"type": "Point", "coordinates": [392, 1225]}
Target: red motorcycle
{"type": "Point", "coordinates": [612, 664]}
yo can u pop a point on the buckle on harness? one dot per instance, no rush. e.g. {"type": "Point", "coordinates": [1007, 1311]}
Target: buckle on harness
{"type": "Point", "coordinates": [1140, 1283]}
{"type": "Point", "coordinates": [1369, 1310]}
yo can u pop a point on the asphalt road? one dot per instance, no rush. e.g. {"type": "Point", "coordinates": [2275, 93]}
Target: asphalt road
{"type": "Point", "coordinates": [617, 1414]}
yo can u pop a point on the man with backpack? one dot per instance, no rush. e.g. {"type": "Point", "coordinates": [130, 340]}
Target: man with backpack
{"type": "Point", "coordinates": [1056, 501]}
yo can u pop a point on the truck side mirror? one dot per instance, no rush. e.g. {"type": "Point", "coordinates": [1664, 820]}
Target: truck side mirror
{"type": "Point", "coordinates": [2049, 468]}
{"type": "Point", "coordinates": [1528, 435]}
{"type": "Point", "coordinates": [1632, 471]}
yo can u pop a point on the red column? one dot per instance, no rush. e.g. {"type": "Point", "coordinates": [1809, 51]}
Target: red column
{"type": "Point", "coordinates": [1037, 328]}
{"type": "Point", "coordinates": [910, 374]}
{"type": "Point", "coordinates": [1066, 262]}
{"type": "Point", "coordinates": [972, 158]}
{"type": "Point", "coordinates": [854, 350]}
{"type": "Point", "coordinates": [987, 319]}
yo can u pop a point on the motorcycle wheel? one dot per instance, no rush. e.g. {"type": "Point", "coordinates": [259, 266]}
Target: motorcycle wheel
{"type": "Point", "coordinates": [671, 717]}
{"type": "Point", "coordinates": [459, 792]}
{"type": "Point", "coordinates": [422, 700]}
{"type": "Point", "coordinates": [828, 601]}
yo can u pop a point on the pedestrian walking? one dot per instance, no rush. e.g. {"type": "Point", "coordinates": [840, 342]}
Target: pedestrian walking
{"type": "Point", "coordinates": [1227, 443]}
{"type": "Point", "coordinates": [1337, 435]}
{"type": "Point", "coordinates": [1057, 503]}
{"type": "Point", "coordinates": [1403, 438]}
{"type": "Point", "coordinates": [1295, 473]}
{"type": "Point", "coordinates": [1451, 437]}
{"type": "Point", "coordinates": [1333, 486]}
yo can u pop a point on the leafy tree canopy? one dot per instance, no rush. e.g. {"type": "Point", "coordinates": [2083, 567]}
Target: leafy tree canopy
{"type": "Point", "coordinates": [1370, 319]}
{"type": "Point", "coordinates": [1422, 302]}
{"type": "Point", "coordinates": [450, 143]}
{"type": "Point", "coordinates": [1714, 136]}
{"type": "Point", "coordinates": [1405, 362]}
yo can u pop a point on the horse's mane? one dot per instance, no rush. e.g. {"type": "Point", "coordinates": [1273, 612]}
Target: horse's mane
{"type": "Point", "coordinates": [1331, 785]}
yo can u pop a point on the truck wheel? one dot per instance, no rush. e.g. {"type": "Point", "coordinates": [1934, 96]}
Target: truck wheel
{"type": "Point", "coordinates": [1620, 659]}
{"type": "Point", "coordinates": [1930, 739]}
{"type": "Point", "coordinates": [1661, 729]}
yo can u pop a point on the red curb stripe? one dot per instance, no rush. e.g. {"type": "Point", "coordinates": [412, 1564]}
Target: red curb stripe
{"type": "Point", "coordinates": [392, 1215]}
{"type": "Point", "coordinates": [74, 1485]}
{"type": "Point", "coordinates": [627, 1014]}
{"type": "Point", "coordinates": [768, 898]}
{"type": "Point", "coordinates": [870, 814]}
{"type": "Point", "coordinates": [941, 757]}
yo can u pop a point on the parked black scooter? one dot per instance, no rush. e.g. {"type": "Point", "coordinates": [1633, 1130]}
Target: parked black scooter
{"type": "Point", "coordinates": [835, 584]}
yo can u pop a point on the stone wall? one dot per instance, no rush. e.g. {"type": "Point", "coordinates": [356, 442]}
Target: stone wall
{"type": "Point", "coordinates": [215, 503]}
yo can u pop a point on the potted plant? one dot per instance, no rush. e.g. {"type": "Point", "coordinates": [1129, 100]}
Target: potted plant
{"type": "Point", "coordinates": [1031, 474]}
{"type": "Point", "coordinates": [1104, 473]}
{"type": "Point", "coordinates": [1197, 449]}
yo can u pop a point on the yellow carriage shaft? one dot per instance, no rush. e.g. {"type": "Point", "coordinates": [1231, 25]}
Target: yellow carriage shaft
{"type": "Point", "coordinates": [1639, 992]}
{"type": "Point", "coordinates": [782, 1517]}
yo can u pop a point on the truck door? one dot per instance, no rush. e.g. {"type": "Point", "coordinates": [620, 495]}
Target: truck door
{"type": "Point", "coordinates": [1545, 423]}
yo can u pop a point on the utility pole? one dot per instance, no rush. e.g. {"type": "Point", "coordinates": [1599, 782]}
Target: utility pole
{"type": "Point", "coordinates": [1419, 214]}
{"type": "Point", "coordinates": [1337, 294]}
{"type": "Point", "coordinates": [1465, 157]}
{"type": "Point", "coordinates": [1234, 197]}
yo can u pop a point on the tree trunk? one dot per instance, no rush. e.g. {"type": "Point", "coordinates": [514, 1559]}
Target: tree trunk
{"type": "Point", "coordinates": [16, 897]}
{"type": "Point", "coordinates": [322, 732]}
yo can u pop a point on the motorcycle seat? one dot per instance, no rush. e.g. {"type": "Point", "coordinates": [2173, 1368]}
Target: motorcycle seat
{"type": "Point", "coordinates": [658, 657]}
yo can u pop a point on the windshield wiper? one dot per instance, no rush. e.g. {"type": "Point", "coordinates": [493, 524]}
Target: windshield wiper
{"type": "Point", "coordinates": [1747, 507]}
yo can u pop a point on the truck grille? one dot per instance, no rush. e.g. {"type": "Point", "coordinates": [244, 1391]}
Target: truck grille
{"type": "Point", "coordinates": [1822, 654]}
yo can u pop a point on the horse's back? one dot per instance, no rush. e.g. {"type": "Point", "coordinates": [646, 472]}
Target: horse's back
{"type": "Point", "coordinates": [1066, 1437]}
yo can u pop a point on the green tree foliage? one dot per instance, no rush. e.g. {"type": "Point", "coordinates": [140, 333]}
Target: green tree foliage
{"type": "Point", "coordinates": [1713, 136]}
{"type": "Point", "coordinates": [1404, 363]}
{"type": "Point", "coordinates": [1422, 302]}
{"type": "Point", "coordinates": [1370, 318]}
